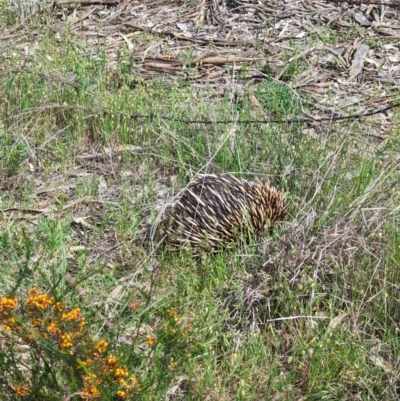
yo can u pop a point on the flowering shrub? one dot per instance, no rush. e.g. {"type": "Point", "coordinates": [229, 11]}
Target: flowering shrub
{"type": "Point", "coordinates": [48, 352]}
{"type": "Point", "coordinates": [50, 328]}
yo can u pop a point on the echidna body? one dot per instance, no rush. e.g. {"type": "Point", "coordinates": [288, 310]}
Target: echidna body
{"type": "Point", "coordinates": [218, 209]}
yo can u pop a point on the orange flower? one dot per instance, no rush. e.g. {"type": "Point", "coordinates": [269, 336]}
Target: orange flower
{"type": "Point", "coordinates": [150, 341]}
{"type": "Point", "coordinates": [21, 391]}
{"type": "Point", "coordinates": [134, 304]}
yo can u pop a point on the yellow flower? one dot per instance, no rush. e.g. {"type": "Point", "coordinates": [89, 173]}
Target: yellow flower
{"type": "Point", "coordinates": [89, 390]}
{"type": "Point", "coordinates": [171, 313]}
{"type": "Point", "coordinates": [133, 380]}
{"type": "Point", "coordinates": [111, 363]}
{"type": "Point", "coordinates": [101, 346]}
{"type": "Point", "coordinates": [7, 304]}
{"type": "Point", "coordinates": [126, 385]}
{"type": "Point", "coordinates": [172, 366]}
{"type": "Point", "coordinates": [92, 378]}
{"type": "Point", "coordinates": [66, 340]}
{"type": "Point", "coordinates": [53, 328]}
{"type": "Point", "coordinates": [86, 363]}
{"type": "Point", "coordinates": [111, 360]}
{"type": "Point", "coordinates": [59, 307]}
{"type": "Point", "coordinates": [121, 372]}
{"type": "Point", "coordinates": [121, 394]}
{"type": "Point", "coordinates": [71, 315]}
{"type": "Point", "coordinates": [36, 322]}
{"type": "Point", "coordinates": [81, 326]}
{"type": "Point", "coordinates": [9, 324]}
{"type": "Point", "coordinates": [37, 301]}
{"type": "Point", "coordinates": [150, 341]}
{"type": "Point", "coordinates": [90, 393]}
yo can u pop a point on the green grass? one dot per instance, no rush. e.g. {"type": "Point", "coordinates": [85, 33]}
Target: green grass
{"type": "Point", "coordinates": [311, 312]}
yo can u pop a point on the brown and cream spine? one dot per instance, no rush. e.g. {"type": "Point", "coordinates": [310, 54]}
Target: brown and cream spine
{"type": "Point", "coordinates": [215, 210]}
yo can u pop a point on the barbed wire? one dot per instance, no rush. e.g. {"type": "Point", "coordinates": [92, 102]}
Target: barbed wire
{"type": "Point", "coordinates": [291, 120]}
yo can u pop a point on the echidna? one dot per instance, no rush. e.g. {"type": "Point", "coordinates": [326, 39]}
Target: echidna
{"type": "Point", "coordinates": [215, 210]}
